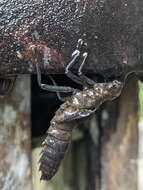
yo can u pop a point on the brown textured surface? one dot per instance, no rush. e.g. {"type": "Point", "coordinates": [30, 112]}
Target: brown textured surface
{"type": "Point", "coordinates": [112, 30]}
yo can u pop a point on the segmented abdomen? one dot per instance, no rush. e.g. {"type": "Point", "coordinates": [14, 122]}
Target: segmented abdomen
{"type": "Point", "coordinates": [55, 146]}
{"type": "Point", "coordinates": [80, 105]}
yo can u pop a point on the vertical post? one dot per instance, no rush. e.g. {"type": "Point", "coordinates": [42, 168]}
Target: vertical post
{"type": "Point", "coordinates": [15, 137]}
{"type": "Point", "coordinates": [120, 142]}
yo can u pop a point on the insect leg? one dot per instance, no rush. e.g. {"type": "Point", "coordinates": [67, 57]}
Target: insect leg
{"type": "Point", "coordinates": [62, 99]}
{"type": "Point", "coordinates": [51, 88]}
{"type": "Point", "coordinates": [85, 79]}
{"type": "Point", "coordinates": [81, 78]}
{"type": "Point", "coordinates": [72, 76]}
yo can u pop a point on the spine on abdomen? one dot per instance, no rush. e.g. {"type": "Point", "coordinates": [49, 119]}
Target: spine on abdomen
{"type": "Point", "coordinates": [55, 146]}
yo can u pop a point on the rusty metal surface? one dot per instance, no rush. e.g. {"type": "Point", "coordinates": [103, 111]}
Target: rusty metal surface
{"type": "Point", "coordinates": [48, 30]}
{"type": "Point", "coordinates": [15, 138]}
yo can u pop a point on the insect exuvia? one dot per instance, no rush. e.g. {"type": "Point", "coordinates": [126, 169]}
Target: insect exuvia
{"type": "Point", "coordinates": [80, 105]}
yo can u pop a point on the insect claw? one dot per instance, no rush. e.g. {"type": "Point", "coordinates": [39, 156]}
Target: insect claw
{"type": "Point", "coordinates": [79, 43]}
{"type": "Point", "coordinates": [85, 54]}
{"type": "Point", "coordinates": [76, 52]}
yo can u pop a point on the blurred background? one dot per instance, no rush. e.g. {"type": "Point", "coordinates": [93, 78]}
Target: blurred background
{"type": "Point", "coordinates": [106, 152]}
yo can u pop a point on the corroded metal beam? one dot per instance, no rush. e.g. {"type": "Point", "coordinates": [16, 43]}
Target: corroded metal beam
{"type": "Point", "coordinates": [47, 31]}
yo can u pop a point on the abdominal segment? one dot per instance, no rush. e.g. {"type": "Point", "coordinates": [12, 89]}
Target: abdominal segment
{"type": "Point", "coordinates": [55, 146]}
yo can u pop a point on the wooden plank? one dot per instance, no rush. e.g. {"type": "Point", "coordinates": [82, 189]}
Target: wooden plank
{"type": "Point", "coordinates": [120, 142]}
{"type": "Point", "coordinates": [15, 138]}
